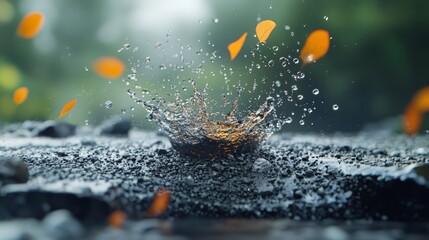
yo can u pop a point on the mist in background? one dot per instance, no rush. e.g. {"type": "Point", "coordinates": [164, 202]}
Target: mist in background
{"type": "Point", "coordinates": [376, 62]}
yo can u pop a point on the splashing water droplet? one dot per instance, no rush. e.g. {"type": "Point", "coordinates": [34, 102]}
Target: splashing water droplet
{"type": "Point", "coordinates": [300, 97]}
{"type": "Point", "coordinates": [335, 107]}
{"type": "Point", "coordinates": [294, 88]}
{"type": "Point", "coordinates": [315, 91]}
{"type": "Point", "coordinates": [108, 104]}
{"type": "Point", "coordinates": [288, 120]}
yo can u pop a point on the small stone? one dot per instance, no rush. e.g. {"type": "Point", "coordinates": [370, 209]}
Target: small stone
{"type": "Point", "coordinates": [88, 142]}
{"type": "Point", "coordinates": [334, 233]}
{"type": "Point", "coordinates": [12, 171]}
{"type": "Point", "coordinates": [115, 126]}
{"type": "Point", "coordinates": [261, 165]}
{"type": "Point", "coordinates": [54, 129]}
{"type": "Point", "coordinates": [61, 224]}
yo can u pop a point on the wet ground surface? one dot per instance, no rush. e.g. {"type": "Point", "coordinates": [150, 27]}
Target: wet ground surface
{"type": "Point", "coordinates": [375, 182]}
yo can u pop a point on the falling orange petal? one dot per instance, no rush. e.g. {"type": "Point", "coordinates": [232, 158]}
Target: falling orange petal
{"type": "Point", "coordinates": [315, 47]}
{"type": "Point", "coordinates": [235, 47]}
{"type": "Point", "coordinates": [109, 67]}
{"type": "Point", "coordinates": [264, 29]}
{"type": "Point", "coordinates": [30, 25]}
{"type": "Point", "coordinates": [159, 204]}
{"type": "Point", "coordinates": [20, 95]}
{"type": "Point", "coordinates": [67, 108]}
{"type": "Point", "coordinates": [421, 99]}
{"type": "Point", "coordinates": [412, 120]}
{"type": "Point", "coordinates": [117, 219]}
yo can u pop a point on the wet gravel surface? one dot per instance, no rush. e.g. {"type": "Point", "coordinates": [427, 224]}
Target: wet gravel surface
{"type": "Point", "coordinates": [366, 176]}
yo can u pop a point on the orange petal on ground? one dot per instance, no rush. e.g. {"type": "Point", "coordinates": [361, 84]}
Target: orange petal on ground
{"type": "Point", "coordinates": [315, 47]}
{"type": "Point", "coordinates": [67, 108]}
{"type": "Point", "coordinates": [30, 25]}
{"type": "Point", "coordinates": [159, 204]}
{"type": "Point", "coordinates": [109, 67]}
{"type": "Point", "coordinates": [20, 95]}
{"type": "Point", "coordinates": [117, 219]}
{"type": "Point", "coordinates": [411, 120]}
{"type": "Point", "coordinates": [235, 47]}
{"type": "Point", "coordinates": [264, 29]}
{"type": "Point", "coordinates": [421, 99]}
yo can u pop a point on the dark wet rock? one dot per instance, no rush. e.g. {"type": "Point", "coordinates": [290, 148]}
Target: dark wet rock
{"type": "Point", "coordinates": [54, 129]}
{"type": "Point", "coordinates": [23, 201]}
{"type": "Point", "coordinates": [12, 171]}
{"type": "Point", "coordinates": [62, 225]}
{"type": "Point", "coordinates": [115, 126]}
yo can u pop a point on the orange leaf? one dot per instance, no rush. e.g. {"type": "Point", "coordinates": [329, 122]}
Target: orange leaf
{"type": "Point", "coordinates": [67, 108]}
{"type": "Point", "coordinates": [30, 25]}
{"type": "Point", "coordinates": [264, 29]}
{"type": "Point", "coordinates": [421, 99]}
{"type": "Point", "coordinates": [315, 47]}
{"type": "Point", "coordinates": [20, 95]}
{"type": "Point", "coordinates": [117, 219]}
{"type": "Point", "coordinates": [109, 67]}
{"type": "Point", "coordinates": [412, 120]}
{"type": "Point", "coordinates": [159, 204]}
{"type": "Point", "coordinates": [235, 47]}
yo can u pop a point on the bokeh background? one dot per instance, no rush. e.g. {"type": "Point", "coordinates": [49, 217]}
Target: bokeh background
{"type": "Point", "coordinates": [377, 60]}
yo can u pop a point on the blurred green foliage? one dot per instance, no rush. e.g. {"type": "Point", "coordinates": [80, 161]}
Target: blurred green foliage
{"type": "Point", "coordinates": [376, 62]}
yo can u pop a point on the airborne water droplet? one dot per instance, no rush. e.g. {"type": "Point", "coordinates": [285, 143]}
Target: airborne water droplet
{"type": "Point", "coordinates": [301, 122]}
{"type": "Point", "coordinates": [294, 88]}
{"type": "Point", "coordinates": [215, 20]}
{"type": "Point", "coordinates": [288, 120]}
{"type": "Point", "coordinates": [335, 107]}
{"type": "Point", "coordinates": [300, 97]}
{"type": "Point", "coordinates": [271, 63]}
{"type": "Point", "coordinates": [108, 104]}
{"type": "Point", "coordinates": [275, 48]}
{"type": "Point", "coordinates": [315, 91]}
{"type": "Point", "coordinates": [287, 27]}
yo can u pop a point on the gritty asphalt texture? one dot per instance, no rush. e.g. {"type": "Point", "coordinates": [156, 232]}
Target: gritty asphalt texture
{"type": "Point", "coordinates": [370, 175]}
